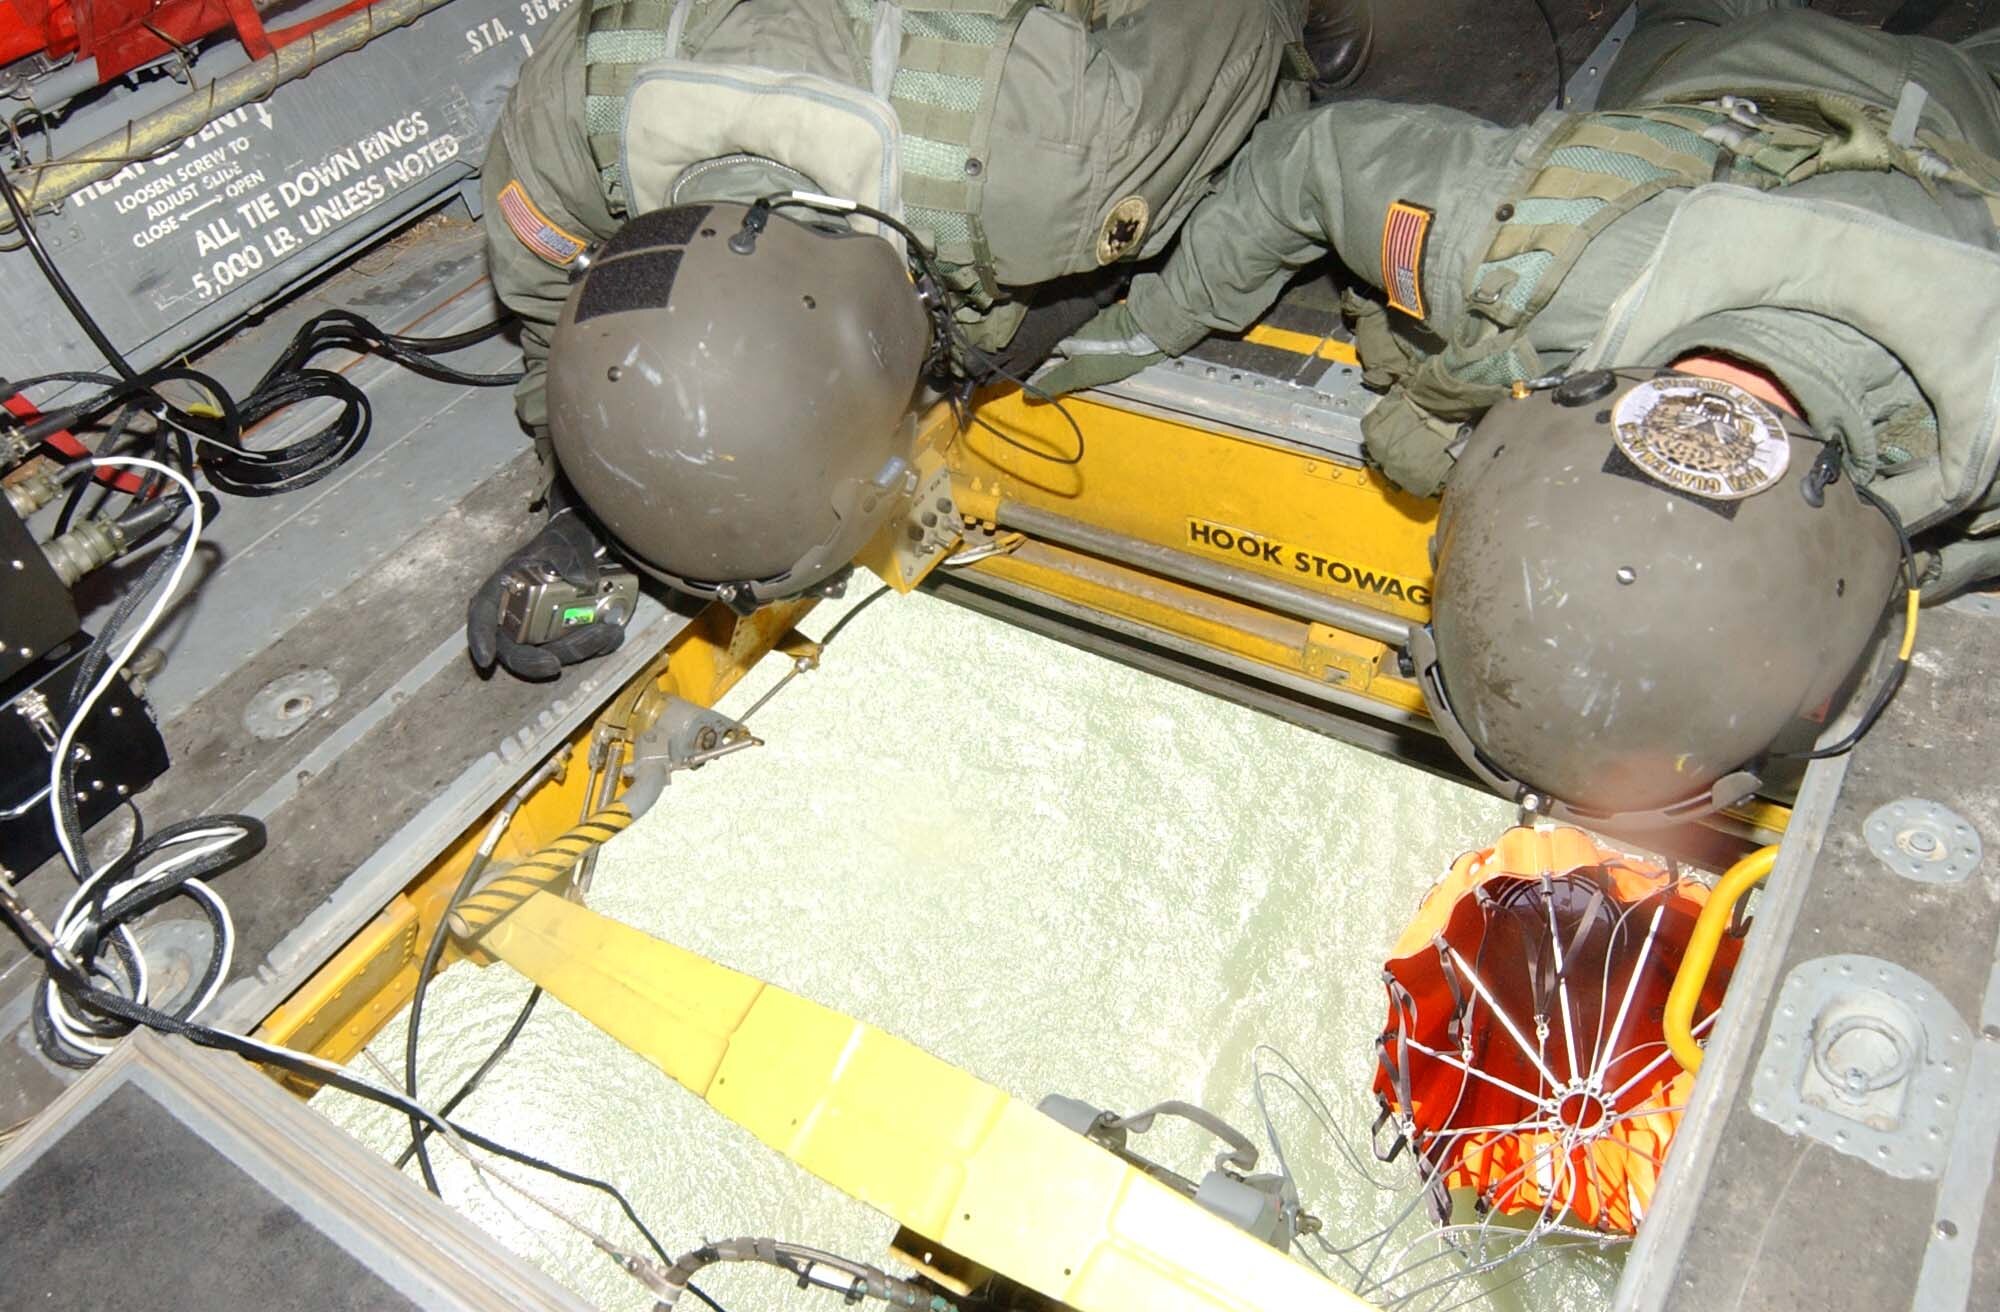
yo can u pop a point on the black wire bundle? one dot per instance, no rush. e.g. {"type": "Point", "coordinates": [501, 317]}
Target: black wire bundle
{"type": "Point", "coordinates": [291, 380]}
{"type": "Point", "coordinates": [106, 917]}
{"type": "Point", "coordinates": [230, 465]}
{"type": "Point", "coordinates": [1892, 681]}
{"type": "Point", "coordinates": [124, 1010]}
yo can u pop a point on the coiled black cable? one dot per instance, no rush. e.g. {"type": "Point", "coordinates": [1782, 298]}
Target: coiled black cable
{"type": "Point", "coordinates": [230, 465]}
{"type": "Point", "coordinates": [105, 916]}
{"type": "Point", "coordinates": [242, 471]}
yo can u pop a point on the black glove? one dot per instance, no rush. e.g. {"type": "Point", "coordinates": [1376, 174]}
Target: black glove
{"type": "Point", "coordinates": [570, 547]}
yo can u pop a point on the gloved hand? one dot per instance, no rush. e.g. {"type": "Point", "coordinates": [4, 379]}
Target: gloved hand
{"type": "Point", "coordinates": [1110, 347]}
{"type": "Point", "coordinates": [569, 546]}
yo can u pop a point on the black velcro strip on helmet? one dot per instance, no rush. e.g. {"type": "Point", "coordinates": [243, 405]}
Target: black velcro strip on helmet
{"type": "Point", "coordinates": [638, 282]}
{"type": "Point", "coordinates": [670, 227]}
{"type": "Point", "coordinates": [1619, 465]}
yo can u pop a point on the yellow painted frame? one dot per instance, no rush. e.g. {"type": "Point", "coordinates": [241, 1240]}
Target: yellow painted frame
{"type": "Point", "coordinates": [349, 999]}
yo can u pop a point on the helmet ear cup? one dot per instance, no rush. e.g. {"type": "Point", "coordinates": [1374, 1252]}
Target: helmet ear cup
{"type": "Point", "coordinates": [1635, 599]}
{"type": "Point", "coordinates": [735, 418]}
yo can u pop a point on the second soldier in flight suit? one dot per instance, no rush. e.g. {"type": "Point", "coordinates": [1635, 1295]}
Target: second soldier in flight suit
{"type": "Point", "coordinates": [1687, 370]}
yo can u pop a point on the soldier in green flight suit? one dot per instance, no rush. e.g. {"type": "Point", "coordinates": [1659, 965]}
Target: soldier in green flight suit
{"type": "Point", "coordinates": [1794, 211]}
{"type": "Point", "coordinates": [1033, 149]}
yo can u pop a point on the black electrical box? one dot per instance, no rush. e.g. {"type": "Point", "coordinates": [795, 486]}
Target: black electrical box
{"type": "Point", "coordinates": [117, 752]}
{"type": "Point", "coordinates": [36, 610]}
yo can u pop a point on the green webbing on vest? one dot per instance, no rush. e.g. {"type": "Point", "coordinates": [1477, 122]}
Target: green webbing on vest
{"type": "Point", "coordinates": [1592, 171]}
{"type": "Point", "coordinates": [619, 38]}
{"type": "Point", "coordinates": [946, 80]}
{"type": "Point", "coordinates": [1539, 211]}
{"type": "Point", "coordinates": [945, 84]}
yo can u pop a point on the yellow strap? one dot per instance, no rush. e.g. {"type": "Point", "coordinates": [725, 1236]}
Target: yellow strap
{"type": "Point", "coordinates": [1678, 1020]}
{"type": "Point", "coordinates": [937, 1150]}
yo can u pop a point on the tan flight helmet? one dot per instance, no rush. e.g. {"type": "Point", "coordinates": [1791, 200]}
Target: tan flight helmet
{"type": "Point", "coordinates": [730, 392]}
{"type": "Point", "coordinates": [1647, 584]}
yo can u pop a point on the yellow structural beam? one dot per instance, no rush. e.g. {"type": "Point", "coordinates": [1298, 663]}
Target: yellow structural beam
{"type": "Point", "coordinates": [941, 1152]}
{"type": "Point", "coordinates": [349, 999]}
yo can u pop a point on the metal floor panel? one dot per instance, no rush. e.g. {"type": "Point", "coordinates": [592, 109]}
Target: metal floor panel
{"type": "Point", "coordinates": [347, 600]}
{"type": "Point", "coordinates": [172, 1178]}
{"type": "Point", "coordinates": [1761, 1210]}
{"type": "Point", "coordinates": [269, 560]}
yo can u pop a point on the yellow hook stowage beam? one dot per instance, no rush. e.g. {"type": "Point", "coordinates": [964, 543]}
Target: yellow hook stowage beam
{"type": "Point", "coordinates": [947, 1155]}
{"type": "Point", "coordinates": [1678, 1022]}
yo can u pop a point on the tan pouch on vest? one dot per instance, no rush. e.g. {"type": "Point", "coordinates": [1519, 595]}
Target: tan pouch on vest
{"type": "Point", "coordinates": [681, 114]}
{"type": "Point", "coordinates": [1927, 299]}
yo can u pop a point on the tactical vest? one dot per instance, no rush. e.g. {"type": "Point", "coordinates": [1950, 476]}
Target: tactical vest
{"type": "Point", "coordinates": [1591, 171]}
{"type": "Point", "coordinates": [937, 62]}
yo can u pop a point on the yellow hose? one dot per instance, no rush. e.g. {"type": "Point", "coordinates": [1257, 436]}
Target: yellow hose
{"type": "Point", "coordinates": [546, 869]}
{"type": "Point", "coordinates": [1678, 1022]}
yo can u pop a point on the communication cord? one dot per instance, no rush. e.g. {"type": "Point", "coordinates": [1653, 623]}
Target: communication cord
{"type": "Point", "coordinates": [1892, 682]}
{"type": "Point", "coordinates": [66, 974]}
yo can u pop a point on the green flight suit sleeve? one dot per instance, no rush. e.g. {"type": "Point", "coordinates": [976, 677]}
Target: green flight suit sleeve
{"type": "Point", "coordinates": [1147, 108]}
{"type": "Point", "coordinates": [1325, 181]}
{"type": "Point", "coordinates": [541, 145]}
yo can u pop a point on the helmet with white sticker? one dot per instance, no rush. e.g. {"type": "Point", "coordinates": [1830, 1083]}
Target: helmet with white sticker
{"type": "Point", "coordinates": [1647, 582]}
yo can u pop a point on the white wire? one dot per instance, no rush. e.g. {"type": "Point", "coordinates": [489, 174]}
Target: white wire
{"type": "Point", "coordinates": [72, 1030]}
{"type": "Point", "coordinates": [75, 921]}
{"type": "Point", "coordinates": [132, 644]}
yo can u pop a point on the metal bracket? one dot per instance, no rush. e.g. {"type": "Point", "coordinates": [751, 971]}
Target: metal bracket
{"type": "Point", "coordinates": [683, 736]}
{"type": "Point", "coordinates": [1325, 418]}
{"type": "Point", "coordinates": [1924, 841]}
{"type": "Point", "coordinates": [1867, 1058]}
{"type": "Point", "coordinates": [929, 529]}
{"type": "Point", "coordinates": [1587, 81]}
{"type": "Point", "coordinates": [1265, 1206]}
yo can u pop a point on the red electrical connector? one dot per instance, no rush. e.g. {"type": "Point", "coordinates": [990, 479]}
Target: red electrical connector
{"type": "Point", "coordinates": [122, 35]}
{"type": "Point", "coordinates": [126, 481]}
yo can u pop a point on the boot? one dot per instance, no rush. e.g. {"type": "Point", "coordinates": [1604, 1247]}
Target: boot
{"type": "Point", "coordinates": [1338, 36]}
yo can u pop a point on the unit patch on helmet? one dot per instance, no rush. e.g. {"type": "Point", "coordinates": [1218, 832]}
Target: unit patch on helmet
{"type": "Point", "coordinates": [1702, 436]}
{"type": "Point", "coordinates": [527, 222]}
{"type": "Point", "coordinates": [1124, 228]}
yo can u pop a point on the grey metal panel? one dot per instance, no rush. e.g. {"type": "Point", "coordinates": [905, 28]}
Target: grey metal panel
{"type": "Point", "coordinates": [362, 579]}
{"type": "Point", "coordinates": [1749, 1214]}
{"type": "Point", "coordinates": [271, 560]}
{"type": "Point", "coordinates": [1322, 417]}
{"type": "Point", "coordinates": [1588, 79]}
{"type": "Point", "coordinates": [177, 248]}
{"type": "Point", "coordinates": [174, 1177]}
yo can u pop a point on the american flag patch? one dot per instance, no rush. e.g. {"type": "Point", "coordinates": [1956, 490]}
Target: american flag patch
{"type": "Point", "coordinates": [545, 239]}
{"type": "Point", "coordinates": [1404, 235]}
